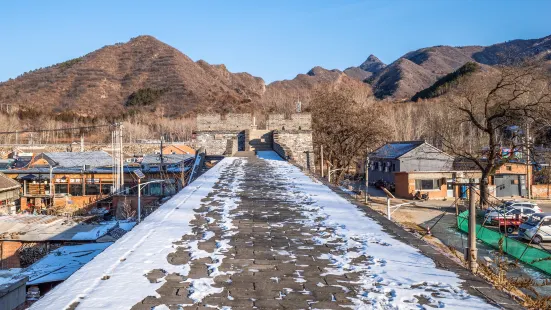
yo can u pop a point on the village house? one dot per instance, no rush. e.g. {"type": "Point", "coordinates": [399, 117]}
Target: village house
{"type": "Point", "coordinates": [73, 182]}
{"type": "Point", "coordinates": [180, 149]}
{"type": "Point", "coordinates": [416, 166]}
{"type": "Point", "coordinates": [406, 156]}
{"type": "Point", "coordinates": [9, 194]}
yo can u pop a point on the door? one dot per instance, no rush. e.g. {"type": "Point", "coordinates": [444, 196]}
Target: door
{"type": "Point", "coordinates": [450, 189]}
{"type": "Point", "coordinates": [507, 185]}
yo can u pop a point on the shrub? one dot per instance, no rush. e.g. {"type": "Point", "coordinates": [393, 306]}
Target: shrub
{"type": "Point", "coordinates": [144, 97]}
{"type": "Point", "coordinates": [444, 84]}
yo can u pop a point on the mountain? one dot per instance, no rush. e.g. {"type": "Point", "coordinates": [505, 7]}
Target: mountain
{"type": "Point", "coordinates": [142, 74]}
{"type": "Point", "coordinates": [372, 65]}
{"type": "Point", "coordinates": [302, 86]}
{"type": "Point", "coordinates": [146, 75]}
{"type": "Point", "coordinates": [420, 69]}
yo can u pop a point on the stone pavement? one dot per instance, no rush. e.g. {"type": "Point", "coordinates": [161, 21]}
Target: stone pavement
{"type": "Point", "coordinates": [252, 247]}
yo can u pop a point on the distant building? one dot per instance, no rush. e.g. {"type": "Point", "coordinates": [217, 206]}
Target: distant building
{"type": "Point", "coordinates": [416, 166]}
{"type": "Point", "coordinates": [406, 156]}
{"type": "Point", "coordinates": [73, 159]}
{"type": "Point", "coordinates": [180, 149]}
{"type": "Point", "coordinates": [9, 194]}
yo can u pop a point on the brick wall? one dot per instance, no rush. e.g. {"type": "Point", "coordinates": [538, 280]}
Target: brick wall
{"type": "Point", "coordinates": [298, 121]}
{"type": "Point", "coordinates": [9, 257]}
{"type": "Point", "coordinates": [541, 191]}
{"type": "Point", "coordinates": [231, 121]}
{"type": "Point", "coordinates": [512, 168]}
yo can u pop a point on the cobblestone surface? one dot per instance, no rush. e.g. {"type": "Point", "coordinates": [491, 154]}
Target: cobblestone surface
{"type": "Point", "coordinates": [271, 262]}
{"type": "Point", "coordinates": [255, 248]}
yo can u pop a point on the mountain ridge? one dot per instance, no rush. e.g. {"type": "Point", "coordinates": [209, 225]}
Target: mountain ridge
{"type": "Point", "coordinates": [419, 69]}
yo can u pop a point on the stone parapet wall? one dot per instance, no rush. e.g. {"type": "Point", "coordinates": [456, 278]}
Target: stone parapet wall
{"type": "Point", "coordinates": [298, 121]}
{"type": "Point", "coordinates": [297, 146]}
{"type": "Point", "coordinates": [231, 121]}
{"type": "Point", "coordinates": [216, 142]}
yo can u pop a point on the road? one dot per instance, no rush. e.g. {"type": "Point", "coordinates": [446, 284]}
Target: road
{"type": "Point", "coordinates": [258, 233]}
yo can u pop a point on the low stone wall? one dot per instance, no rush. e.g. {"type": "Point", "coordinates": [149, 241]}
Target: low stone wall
{"type": "Point", "coordinates": [295, 145]}
{"type": "Point", "coordinates": [216, 142]}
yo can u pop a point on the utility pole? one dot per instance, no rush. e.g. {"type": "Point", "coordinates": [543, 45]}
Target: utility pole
{"type": "Point", "coordinates": [121, 157]}
{"type": "Point", "coordinates": [528, 174]}
{"type": "Point", "coordinates": [52, 186]}
{"type": "Point", "coordinates": [471, 250]}
{"type": "Point", "coordinates": [139, 199]}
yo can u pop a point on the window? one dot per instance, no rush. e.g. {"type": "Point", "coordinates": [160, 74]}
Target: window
{"type": "Point", "coordinates": [61, 189]}
{"type": "Point", "coordinates": [154, 189]}
{"type": "Point", "coordinates": [508, 168]}
{"type": "Point", "coordinates": [75, 190]}
{"type": "Point", "coordinates": [393, 167]}
{"type": "Point", "coordinates": [92, 189]}
{"type": "Point", "coordinates": [427, 184]}
{"type": "Point", "coordinates": [106, 189]}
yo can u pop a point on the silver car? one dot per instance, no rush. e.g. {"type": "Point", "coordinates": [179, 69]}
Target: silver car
{"type": "Point", "coordinates": [537, 228]}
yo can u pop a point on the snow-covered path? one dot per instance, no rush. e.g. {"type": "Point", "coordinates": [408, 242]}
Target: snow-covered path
{"type": "Point", "coordinates": [259, 233]}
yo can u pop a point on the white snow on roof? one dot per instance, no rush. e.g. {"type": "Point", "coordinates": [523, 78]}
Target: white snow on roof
{"type": "Point", "coordinates": [144, 248]}
{"type": "Point", "coordinates": [61, 263]}
{"type": "Point", "coordinates": [50, 228]}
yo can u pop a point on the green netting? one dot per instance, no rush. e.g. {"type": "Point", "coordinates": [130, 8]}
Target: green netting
{"type": "Point", "coordinates": [526, 253]}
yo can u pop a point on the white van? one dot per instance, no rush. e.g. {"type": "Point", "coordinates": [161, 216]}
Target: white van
{"type": "Point", "coordinates": [537, 228]}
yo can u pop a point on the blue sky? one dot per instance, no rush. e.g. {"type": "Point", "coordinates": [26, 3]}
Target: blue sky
{"type": "Point", "coordinates": [271, 39]}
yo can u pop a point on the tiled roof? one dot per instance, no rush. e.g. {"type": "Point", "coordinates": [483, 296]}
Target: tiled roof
{"type": "Point", "coordinates": [395, 149]}
{"type": "Point", "coordinates": [79, 159]}
{"type": "Point", "coordinates": [152, 159]}
{"type": "Point", "coordinates": [7, 183]}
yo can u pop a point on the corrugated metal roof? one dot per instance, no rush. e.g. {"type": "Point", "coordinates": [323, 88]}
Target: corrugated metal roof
{"type": "Point", "coordinates": [79, 159]}
{"type": "Point", "coordinates": [49, 228]}
{"type": "Point", "coordinates": [61, 263]}
{"type": "Point", "coordinates": [152, 159]}
{"type": "Point", "coordinates": [395, 149]}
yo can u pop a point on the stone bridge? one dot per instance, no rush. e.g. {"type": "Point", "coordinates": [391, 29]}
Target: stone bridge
{"type": "Point", "coordinates": [257, 233]}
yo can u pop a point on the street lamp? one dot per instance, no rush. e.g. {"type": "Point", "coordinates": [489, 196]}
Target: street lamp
{"type": "Point", "coordinates": [140, 195]}
{"type": "Point", "coordinates": [140, 176]}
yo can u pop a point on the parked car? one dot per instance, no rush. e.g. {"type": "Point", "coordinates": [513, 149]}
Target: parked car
{"type": "Point", "coordinates": [537, 228]}
{"type": "Point", "coordinates": [522, 204]}
{"type": "Point", "coordinates": [510, 210]}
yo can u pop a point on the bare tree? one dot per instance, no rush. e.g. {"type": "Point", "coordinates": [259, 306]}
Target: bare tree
{"type": "Point", "coordinates": [347, 124]}
{"type": "Point", "coordinates": [489, 115]}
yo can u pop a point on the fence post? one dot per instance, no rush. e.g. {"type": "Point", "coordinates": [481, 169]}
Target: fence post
{"type": "Point", "coordinates": [388, 208]}
{"type": "Point", "coordinates": [472, 252]}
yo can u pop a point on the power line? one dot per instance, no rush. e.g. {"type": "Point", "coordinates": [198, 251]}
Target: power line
{"type": "Point", "coordinates": [54, 130]}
